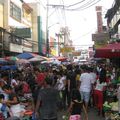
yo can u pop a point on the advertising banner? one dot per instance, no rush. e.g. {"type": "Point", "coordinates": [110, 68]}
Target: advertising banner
{"type": "Point", "coordinates": [100, 39]}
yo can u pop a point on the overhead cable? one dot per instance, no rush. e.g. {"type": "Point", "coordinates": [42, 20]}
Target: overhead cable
{"type": "Point", "coordinates": [64, 15]}
{"type": "Point", "coordinates": [91, 5]}
{"type": "Point", "coordinates": [85, 6]}
{"type": "Point", "coordinates": [85, 34]}
{"type": "Point", "coordinates": [52, 13]}
{"type": "Point", "coordinates": [75, 4]}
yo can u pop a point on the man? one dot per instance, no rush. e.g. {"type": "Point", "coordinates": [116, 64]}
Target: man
{"type": "Point", "coordinates": [48, 98]}
{"type": "Point", "coordinates": [86, 82]}
{"type": "Point", "coordinates": [40, 77]}
{"type": "Point", "coordinates": [71, 79]}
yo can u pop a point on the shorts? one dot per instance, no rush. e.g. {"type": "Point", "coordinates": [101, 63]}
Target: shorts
{"type": "Point", "coordinates": [85, 96]}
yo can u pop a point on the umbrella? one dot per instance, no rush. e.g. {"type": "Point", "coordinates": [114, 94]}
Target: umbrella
{"type": "Point", "coordinates": [61, 58]}
{"type": "Point", "coordinates": [22, 61]}
{"type": "Point", "coordinates": [26, 55]}
{"type": "Point", "coordinates": [6, 67]}
{"type": "Point", "coordinates": [11, 58]}
{"type": "Point", "coordinates": [2, 61]}
{"type": "Point", "coordinates": [37, 58]}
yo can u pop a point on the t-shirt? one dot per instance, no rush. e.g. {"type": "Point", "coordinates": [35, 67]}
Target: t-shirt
{"type": "Point", "coordinates": [26, 88]}
{"type": "Point", "coordinates": [40, 78]}
{"type": "Point", "coordinates": [72, 77]}
{"type": "Point", "coordinates": [49, 98]}
{"type": "Point", "coordinates": [78, 77]}
{"type": "Point", "coordinates": [77, 103]}
{"type": "Point", "coordinates": [77, 106]}
{"type": "Point", "coordinates": [12, 95]}
{"type": "Point", "coordinates": [13, 83]}
{"type": "Point", "coordinates": [60, 82]}
{"type": "Point", "coordinates": [86, 82]}
{"type": "Point", "coordinates": [100, 86]}
{"type": "Point", "coordinates": [94, 76]}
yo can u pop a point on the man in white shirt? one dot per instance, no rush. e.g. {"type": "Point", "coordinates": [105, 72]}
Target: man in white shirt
{"type": "Point", "coordinates": [86, 82]}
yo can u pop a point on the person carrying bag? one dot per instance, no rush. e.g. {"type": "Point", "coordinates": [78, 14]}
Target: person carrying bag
{"type": "Point", "coordinates": [76, 106]}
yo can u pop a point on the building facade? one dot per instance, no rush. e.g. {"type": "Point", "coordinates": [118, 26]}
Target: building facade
{"type": "Point", "coordinates": [113, 21]}
{"type": "Point", "coordinates": [17, 28]}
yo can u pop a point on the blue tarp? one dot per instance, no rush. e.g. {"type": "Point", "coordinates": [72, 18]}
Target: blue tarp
{"type": "Point", "coordinates": [3, 61]}
{"type": "Point", "coordinates": [25, 56]}
{"type": "Point", "coordinates": [6, 67]}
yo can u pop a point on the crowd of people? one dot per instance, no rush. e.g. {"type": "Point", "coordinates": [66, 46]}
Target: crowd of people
{"type": "Point", "coordinates": [54, 88]}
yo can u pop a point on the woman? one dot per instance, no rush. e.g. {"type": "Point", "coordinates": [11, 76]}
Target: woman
{"type": "Point", "coordinates": [98, 94]}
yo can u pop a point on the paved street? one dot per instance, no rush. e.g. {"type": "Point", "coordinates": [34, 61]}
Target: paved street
{"type": "Point", "coordinates": [92, 115]}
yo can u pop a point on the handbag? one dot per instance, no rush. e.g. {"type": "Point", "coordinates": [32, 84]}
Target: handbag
{"type": "Point", "coordinates": [75, 117]}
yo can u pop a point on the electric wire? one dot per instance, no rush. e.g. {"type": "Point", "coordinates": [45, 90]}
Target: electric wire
{"type": "Point", "coordinates": [52, 13]}
{"type": "Point", "coordinates": [85, 34]}
{"type": "Point", "coordinates": [75, 4]}
{"type": "Point", "coordinates": [64, 14]}
{"type": "Point", "coordinates": [39, 1]}
{"type": "Point", "coordinates": [91, 5]}
{"type": "Point", "coordinates": [59, 16]}
{"type": "Point", "coordinates": [86, 7]}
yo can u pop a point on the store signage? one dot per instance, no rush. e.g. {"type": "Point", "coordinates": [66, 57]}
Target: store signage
{"type": "Point", "coordinates": [100, 39]}
{"type": "Point", "coordinates": [23, 32]}
{"type": "Point", "coordinates": [27, 45]}
{"type": "Point", "coordinates": [16, 48]}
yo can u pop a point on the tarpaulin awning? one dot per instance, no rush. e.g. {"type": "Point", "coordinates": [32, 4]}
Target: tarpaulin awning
{"type": "Point", "coordinates": [2, 61]}
{"type": "Point", "coordinates": [38, 58]}
{"type": "Point", "coordinates": [60, 58]}
{"type": "Point", "coordinates": [6, 67]}
{"type": "Point", "coordinates": [26, 55]}
{"type": "Point", "coordinates": [109, 51]}
{"type": "Point", "coordinates": [11, 58]}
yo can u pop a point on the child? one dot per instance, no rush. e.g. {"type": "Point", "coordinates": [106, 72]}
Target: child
{"type": "Point", "coordinates": [4, 110]}
{"type": "Point", "coordinates": [76, 106]}
{"type": "Point", "coordinates": [13, 101]}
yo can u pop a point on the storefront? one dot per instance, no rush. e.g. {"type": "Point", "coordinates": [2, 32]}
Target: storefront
{"type": "Point", "coordinates": [109, 51]}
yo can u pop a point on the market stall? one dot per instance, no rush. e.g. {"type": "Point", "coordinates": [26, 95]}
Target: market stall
{"type": "Point", "coordinates": [110, 106]}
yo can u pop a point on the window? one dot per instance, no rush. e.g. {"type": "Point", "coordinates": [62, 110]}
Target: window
{"type": "Point", "coordinates": [27, 15]}
{"type": "Point", "coordinates": [15, 11]}
{"type": "Point", "coordinates": [1, 15]}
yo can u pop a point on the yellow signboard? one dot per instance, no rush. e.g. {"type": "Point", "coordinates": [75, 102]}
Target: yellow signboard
{"type": "Point", "coordinates": [53, 52]}
{"type": "Point", "coordinates": [66, 49]}
{"type": "Point", "coordinates": [100, 39]}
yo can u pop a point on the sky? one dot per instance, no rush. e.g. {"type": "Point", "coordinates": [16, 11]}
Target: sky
{"type": "Point", "coordinates": [81, 23]}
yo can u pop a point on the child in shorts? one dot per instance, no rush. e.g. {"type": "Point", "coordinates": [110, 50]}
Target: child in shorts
{"type": "Point", "coordinates": [76, 106]}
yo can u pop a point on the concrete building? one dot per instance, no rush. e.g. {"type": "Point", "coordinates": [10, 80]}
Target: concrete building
{"type": "Point", "coordinates": [18, 27]}
{"type": "Point", "coordinates": [99, 19]}
{"type": "Point", "coordinates": [113, 21]}
{"type": "Point", "coordinates": [66, 42]}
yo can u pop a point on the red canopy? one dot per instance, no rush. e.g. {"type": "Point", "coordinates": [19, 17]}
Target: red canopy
{"type": "Point", "coordinates": [109, 51]}
{"type": "Point", "coordinates": [60, 58]}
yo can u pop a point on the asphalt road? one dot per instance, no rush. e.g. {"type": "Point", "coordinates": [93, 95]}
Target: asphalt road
{"type": "Point", "coordinates": [92, 115]}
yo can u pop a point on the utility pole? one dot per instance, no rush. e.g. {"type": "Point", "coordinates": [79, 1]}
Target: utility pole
{"type": "Point", "coordinates": [47, 25]}
{"type": "Point", "coordinates": [2, 41]}
{"type": "Point", "coordinates": [47, 32]}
